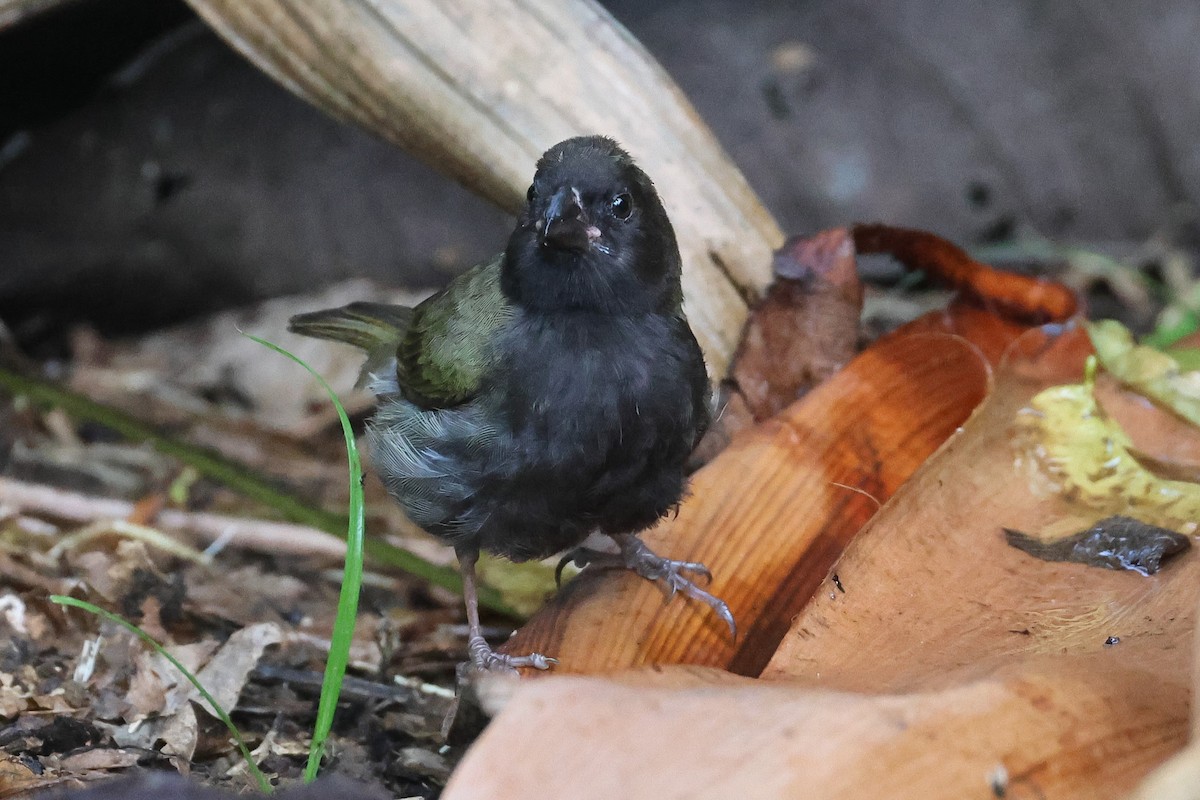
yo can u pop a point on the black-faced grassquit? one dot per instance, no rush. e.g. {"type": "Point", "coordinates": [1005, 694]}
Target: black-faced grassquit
{"type": "Point", "coordinates": [552, 392]}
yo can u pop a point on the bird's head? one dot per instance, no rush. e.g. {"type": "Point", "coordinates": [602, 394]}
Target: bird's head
{"type": "Point", "coordinates": [593, 235]}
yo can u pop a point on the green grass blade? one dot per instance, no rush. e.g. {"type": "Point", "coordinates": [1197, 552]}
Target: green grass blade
{"type": "Point", "coordinates": [347, 610]}
{"type": "Point", "coordinates": [1175, 326]}
{"type": "Point", "coordinates": [259, 777]}
{"type": "Point", "coordinates": [1188, 358]}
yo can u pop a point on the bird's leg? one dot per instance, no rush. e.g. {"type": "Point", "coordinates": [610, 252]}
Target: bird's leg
{"type": "Point", "coordinates": [639, 558]}
{"type": "Point", "coordinates": [483, 657]}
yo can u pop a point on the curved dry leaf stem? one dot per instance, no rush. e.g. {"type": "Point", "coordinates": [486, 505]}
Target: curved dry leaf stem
{"type": "Point", "coordinates": [128, 530]}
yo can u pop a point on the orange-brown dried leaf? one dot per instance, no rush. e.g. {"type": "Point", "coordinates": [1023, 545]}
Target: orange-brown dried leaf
{"type": "Point", "coordinates": [951, 665]}
{"type": "Point", "coordinates": [933, 592]}
{"type": "Point", "coordinates": [1165, 443]}
{"type": "Point", "coordinates": [806, 327]}
{"type": "Point", "coordinates": [1035, 732]}
{"type": "Point", "coordinates": [990, 333]}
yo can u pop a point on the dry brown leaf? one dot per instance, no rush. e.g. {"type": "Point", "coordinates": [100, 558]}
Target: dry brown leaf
{"type": "Point", "coordinates": [950, 666]}
{"type": "Point", "coordinates": [55, 702]}
{"type": "Point", "coordinates": [153, 676]}
{"type": "Point", "coordinates": [226, 672]}
{"type": "Point", "coordinates": [806, 327]}
{"type": "Point", "coordinates": [178, 732]}
{"type": "Point", "coordinates": [14, 697]}
{"type": "Point", "coordinates": [147, 693]}
{"type": "Point", "coordinates": [679, 736]}
{"type": "Point", "coordinates": [179, 367]}
{"type": "Point", "coordinates": [99, 758]}
{"type": "Point", "coordinates": [175, 724]}
{"type": "Point", "coordinates": [172, 728]}
{"type": "Point", "coordinates": [931, 587]}
{"type": "Point", "coordinates": [109, 571]}
{"type": "Point", "coordinates": [16, 778]}
{"type": "Point", "coordinates": [245, 594]}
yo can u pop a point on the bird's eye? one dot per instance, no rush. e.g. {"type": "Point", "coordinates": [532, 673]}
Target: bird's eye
{"type": "Point", "coordinates": [621, 206]}
{"type": "Point", "coordinates": [530, 193]}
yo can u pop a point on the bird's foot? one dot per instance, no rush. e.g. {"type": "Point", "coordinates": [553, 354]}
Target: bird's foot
{"type": "Point", "coordinates": [485, 659]}
{"type": "Point", "coordinates": [637, 557]}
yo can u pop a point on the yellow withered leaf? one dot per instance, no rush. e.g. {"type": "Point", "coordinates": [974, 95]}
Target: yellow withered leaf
{"type": "Point", "coordinates": [1071, 447]}
{"type": "Point", "coordinates": [1152, 372]}
{"type": "Point", "coordinates": [524, 587]}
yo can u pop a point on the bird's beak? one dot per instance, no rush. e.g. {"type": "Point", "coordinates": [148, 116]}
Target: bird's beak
{"type": "Point", "coordinates": [564, 227]}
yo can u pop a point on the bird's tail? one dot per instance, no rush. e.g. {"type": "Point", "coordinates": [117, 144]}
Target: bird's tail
{"type": "Point", "coordinates": [375, 328]}
{"type": "Point", "coordinates": [367, 326]}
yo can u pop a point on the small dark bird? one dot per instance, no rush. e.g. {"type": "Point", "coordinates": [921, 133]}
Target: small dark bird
{"type": "Point", "coordinates": [549, 393]}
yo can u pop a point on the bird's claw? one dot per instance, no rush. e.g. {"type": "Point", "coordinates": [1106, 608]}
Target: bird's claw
{"type": "Point", "coordinates": [637, 557]}
{"type": "Point", "coordinates": [485, 659]}
{"type": "Point", "coordinates": [671, 573]}
{"type": "Point", "coordinates": [583, 557]}
{"type": "Point", "coordinates": [571, 557]}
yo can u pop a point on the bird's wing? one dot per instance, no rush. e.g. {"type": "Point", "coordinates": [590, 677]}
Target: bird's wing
{"type": "Point", "coordinates": [703, 395]}
{"type": "Point", "coordinates": [448, 348]}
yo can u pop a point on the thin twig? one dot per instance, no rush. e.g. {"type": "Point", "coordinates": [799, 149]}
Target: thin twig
{"type": "Point", "coordinates": [248, 534]}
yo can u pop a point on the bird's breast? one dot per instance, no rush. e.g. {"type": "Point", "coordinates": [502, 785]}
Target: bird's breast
{"type": "Point", "coordinates": [589, 392]}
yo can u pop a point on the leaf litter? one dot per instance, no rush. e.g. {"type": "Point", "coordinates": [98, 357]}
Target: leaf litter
{"type": "Point", "coordinates": [167, 550]}
{"type": "Point", "coordinates": [270, 612]}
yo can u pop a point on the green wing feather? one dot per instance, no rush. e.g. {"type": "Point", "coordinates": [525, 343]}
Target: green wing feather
{"type": "Point", "coordinates": [443, 347]}
{"type": "Point", "coordinates": [448, 348]}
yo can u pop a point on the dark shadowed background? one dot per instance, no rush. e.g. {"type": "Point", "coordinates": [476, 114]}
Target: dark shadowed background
{"type": "Point", "coordinates": [148, 173]}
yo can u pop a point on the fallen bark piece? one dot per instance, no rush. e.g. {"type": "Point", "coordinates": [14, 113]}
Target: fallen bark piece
{"type": "Point", "coordinates": [1114, 543]}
